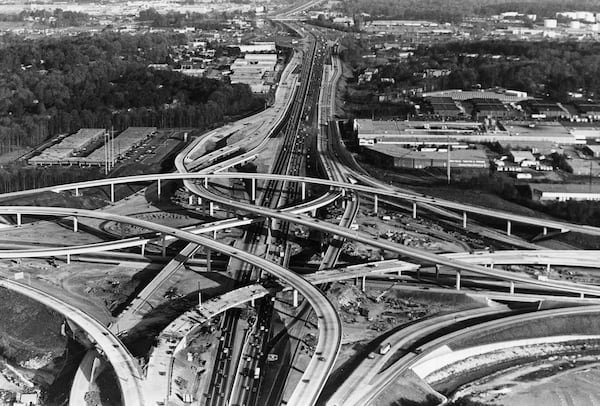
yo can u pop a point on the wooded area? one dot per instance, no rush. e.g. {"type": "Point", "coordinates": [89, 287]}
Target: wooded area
{"type": "Point", "coordinates": [457, 10]}
{"type": "Point", "coordinates": [52, 86]}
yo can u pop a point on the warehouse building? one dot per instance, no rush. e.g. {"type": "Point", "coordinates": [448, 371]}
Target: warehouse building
{"type": "Point", "coordinates": [395, 156]}
{"type": "Point", "coordinates": [443, 107]}
{"type": "Point", "coordinates": [547, 192]}
{"type": "Point", "coordinates": [538, 109]}
{"type": "Point", "coordinates": [75, 144]}
{"type": "Point", "coordinates": [488, 108]}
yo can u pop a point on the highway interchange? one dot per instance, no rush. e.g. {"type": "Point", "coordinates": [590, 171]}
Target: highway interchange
{"type": "Point", "coordinates": [274, 202]}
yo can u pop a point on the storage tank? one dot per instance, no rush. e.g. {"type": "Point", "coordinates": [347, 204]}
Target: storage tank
{"type": "Point", "coordinates": [550, 23]}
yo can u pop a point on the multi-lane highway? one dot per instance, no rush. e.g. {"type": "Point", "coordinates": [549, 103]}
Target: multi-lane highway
{"type": "Point", "coordinates": [281, 196]}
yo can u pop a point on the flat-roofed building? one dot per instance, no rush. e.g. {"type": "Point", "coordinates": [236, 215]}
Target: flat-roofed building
{"type": "Point", "coordinates": [589, 110]}
{"type": "Point", "coordinates": [395, 156]}
{"type": "Point", "coordinates": [444, 106]}
{"type": "Point", "coordinates": [489, 108]}
{"type": "Point", "coordinates": [547, 192]}
{"type": "Point", "coordinates": [539, 109]}
{"type": "Point", "coordinates": [504, 95]}
{"type": "Point", "coordinates": [78, 143]}
{"type": "Point", "coordinates": [594, 150]}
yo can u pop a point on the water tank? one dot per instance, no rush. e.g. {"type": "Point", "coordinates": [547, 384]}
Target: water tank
{"type": "Point", "coordinates": [550, 23]}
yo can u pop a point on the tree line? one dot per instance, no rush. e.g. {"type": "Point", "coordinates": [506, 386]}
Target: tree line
{"type": "Point", "coordinates": [457, 10]}
{"type": "Point", "coordinates": [541, 68]}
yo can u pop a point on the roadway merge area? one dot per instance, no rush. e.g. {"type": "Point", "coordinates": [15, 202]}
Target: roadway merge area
{"type": "Point", "coordinates": [268, 269]}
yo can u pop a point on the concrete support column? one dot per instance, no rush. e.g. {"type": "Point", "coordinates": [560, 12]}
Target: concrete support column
{"type": "Point", "coordinates": [211, 208]}
{"type": "Point", "coordinates": [512, 287]}
{"type": "Point", "coordinates": [199, 201]}
{"type": "Point", "coordinates": [457, 280]}
{"type": "Point", "coordinates": [112, 192]}
{"type": "Point", "coordinates": [158, 188]}
{"type": "Point", "coordinates": [68, 258]}
{"type": "Point", "coordinates": [363, 284]}
{"type": "Point", "coordinates": [548, 268]}
{"type": "Point", "coordinates": [143, 249]}
{"type": "Point", "coordinates": [582, 295]}
{"type": "Point", "coordinates": [252, 302]}
{"type": "Point", "coordinates": [205, 183]}
{"type": "Point", "coordinates": [214, 234]}
{"type": "Point", "coordinates": [76, 192]}
{"type": "Point", "coordinates": [399, 273]}
{"type": "Point", "coordinates": [199, 299]}
{"type": "Point", "coordinates": [191, 200]}
{"type": "Point", "coordinates": [464, 219]}
{"type": "Point", "coordinates": [343, 192]}
{"type": "Point", "coordinates": [437, 272]}
{"type": "Point", "coordinates": [208, 260]}
{"type": "Point", "coordinates": [545, 231]}
{"type": "Point", "coordinates": [508, 227]}
{"type": "Point", "coordinates": [295, 298]}
{"type": "Point", "coordinates": [303, 190]}
{"type": "Point", "coordinates": [253, 191]}
{"type": "Point", "coordinates": [375, 204]}
{"type": "Point", "coordinates": [19, 222]}
{"type": "Point", "coordinates": [163, 245]}
{"type": "Point", "coordinates": [75, 224]}
{"type": "Point", "coordinates": [414, 210]}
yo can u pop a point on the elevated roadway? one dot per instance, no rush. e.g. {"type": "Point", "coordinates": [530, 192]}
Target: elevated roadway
{"type": "Point", "coordinates": [505, 216]}
{"type": "Point", "coordinates": [329, 325]}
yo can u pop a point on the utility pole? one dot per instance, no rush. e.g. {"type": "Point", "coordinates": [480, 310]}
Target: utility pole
{"type": "Point", "coordinates": [448, 160]}
{"type": "Point", "coordinates": [591, 161]}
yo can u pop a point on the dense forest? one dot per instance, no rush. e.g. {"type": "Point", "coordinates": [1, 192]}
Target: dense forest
{"type": "Point", "coordinates": [540, 68]}
{"type": "Point", "coordinates": [457, 10]}
{"type": "Point", "coordinates": [60, 18]}
{"type": "Point", "coordinates": [176, 19]}
{"type": "Point", "coordinates": [51, 86]}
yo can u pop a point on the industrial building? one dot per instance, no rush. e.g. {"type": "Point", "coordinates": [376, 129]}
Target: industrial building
{"type": "Point", "coordinates": [489, 108]}
{"type": "Point", "coordinates": [593, 150]}
{"type": "Point", "coordinates": [504, 95]}
{"type": "Point", "coordinates": [129, 139]}
{"type": "Point", "coordinates": [538, 109]}
{"type": "Point", "coordinates": [444, 107]}
{"type": "Point", "coordinates": [88, 147]}
{"type": "Point", "coordinates": [254, 70]}
{"type": "Point", "coordinates": [547, 192]}
{"type": "Point", "coordinates": [68, 147]}
{"type": "Point", "coordinates": [256, 47]}
{"type": "Point", "coordinates": [395, 156]}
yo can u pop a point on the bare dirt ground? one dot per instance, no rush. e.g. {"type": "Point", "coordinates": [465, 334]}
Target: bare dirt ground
{"type": "Point", "coordinates": [555, 381]}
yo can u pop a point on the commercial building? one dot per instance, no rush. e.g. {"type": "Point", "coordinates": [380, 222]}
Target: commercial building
{"type": "Point", "coordinates": [546, 192]}
{"type": "Point", "coordinates": [75, 144]}
{"type": "Point", "coordinates": [394, 156]}
{"type": "Point", "coordinates": [254, 70]}
{"type": "Point", "coordinates": [538, 109]}
{"type": "Point", "coordinates": [257, 47]}
{"type": "Point", "coordinates": [594, 150]}
{"type": "Point", "coordinates": [444, 107]}
{"type": "Point", "coordinates": [416, 133]}
{"type": "Point", "coordinates": [96, 154]}
{"type": "Point", "coordinates": [129, 139]}
{"type": "Point", "coordinates": [488, 108]}
{"type": "Point", "coordinates": [504, 95]}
